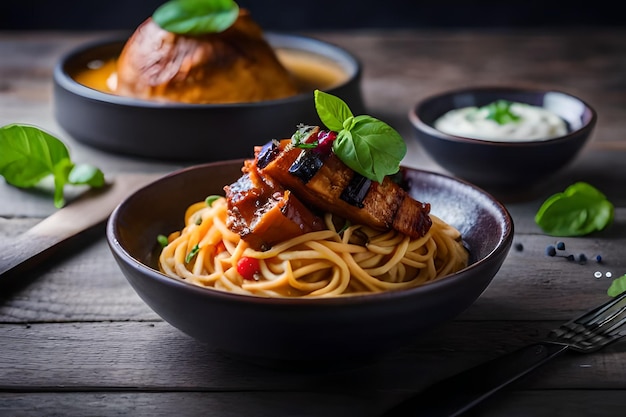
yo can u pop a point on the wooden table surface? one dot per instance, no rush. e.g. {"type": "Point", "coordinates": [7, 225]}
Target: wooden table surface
{"type": "Point", "coordinates": [75, 340]}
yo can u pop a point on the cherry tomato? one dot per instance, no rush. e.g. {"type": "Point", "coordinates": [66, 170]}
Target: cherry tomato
{"type": "Point", "coordinates": [248, 267]}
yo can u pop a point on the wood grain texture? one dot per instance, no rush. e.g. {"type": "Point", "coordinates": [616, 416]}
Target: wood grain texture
{"type": "Point", "coordinates": [75, 339]}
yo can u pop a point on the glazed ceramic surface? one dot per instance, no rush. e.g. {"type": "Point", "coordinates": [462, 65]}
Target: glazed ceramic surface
{"type": "Point", "coordinates": [320, 330]}
{"type": "Point", "coordinates": [502, 164]}
{"type": "Point", "coordinates": [189, 132]}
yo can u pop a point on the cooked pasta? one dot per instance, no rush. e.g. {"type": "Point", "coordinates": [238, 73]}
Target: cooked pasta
{"type": "Point", "coordinates": [338, 261]}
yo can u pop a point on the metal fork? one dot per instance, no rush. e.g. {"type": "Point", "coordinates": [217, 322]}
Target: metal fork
{"type": "Point", "coordinates": [453, 396]}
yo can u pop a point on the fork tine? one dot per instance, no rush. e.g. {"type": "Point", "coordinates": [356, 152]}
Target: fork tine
{"type": "Point", "coordinates": [588, 333]}
{"type": "Point", "coordinates": [604, 314]}
{"type": "Point", "coordinates": [593, 329]}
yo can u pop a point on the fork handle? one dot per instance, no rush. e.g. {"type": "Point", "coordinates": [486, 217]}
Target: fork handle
{"type": "Point", "coordinates": [459, 393]}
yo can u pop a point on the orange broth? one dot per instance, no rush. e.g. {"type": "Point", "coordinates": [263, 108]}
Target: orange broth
{"type": "Point", "coordinates": [310, 70]}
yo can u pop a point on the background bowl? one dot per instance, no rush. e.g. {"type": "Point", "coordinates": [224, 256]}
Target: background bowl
{"type": "Point", "coordinates": [189, 132]}
{"type": "Point", "coordinates": [494, 164]}
{"type": "Point", "coordinates": [304, 331]}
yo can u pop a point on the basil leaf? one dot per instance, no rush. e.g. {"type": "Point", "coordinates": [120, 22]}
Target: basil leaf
{"type": "Point", "coordinates": [371, 147]}
{"type": "Point", "coordinates": [196, 17]}
{"type": "Point", "coordinates": [500, 112]}
{"type": "Point", "coordinates": [86, 174]}
{"type": "Point", "coordinates": [30, 154]}
{"type": "Point", "coordinates": [579, 210]}
{"type": "Point", "coordinates": [617, 287]}
{"type": "Point", "coordinates": [331, 110]}
{"type": "Point", "coordinates": [365, 144]}
{"type": "Point", "coordinates": [61, 175]}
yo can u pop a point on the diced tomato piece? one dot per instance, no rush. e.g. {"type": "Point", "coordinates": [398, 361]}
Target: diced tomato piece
{"type": "Point", "coordinates": [248, 267]}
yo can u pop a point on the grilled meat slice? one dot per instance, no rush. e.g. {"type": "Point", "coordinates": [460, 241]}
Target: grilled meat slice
{"type": "Point", "coordinates": [325, 182]}
{"type": "Point", "coordinates": [264, 213]}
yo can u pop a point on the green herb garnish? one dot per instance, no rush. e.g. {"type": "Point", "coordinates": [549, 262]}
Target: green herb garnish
{"type": "Point", "coordinates": [301, 135]}
{"type": "Point", "coordinates": [617, 287]}
{"type": "Point", "coordinates": [196, 17]}
{"type": "Point", "coordinates": [577, 211]}
{"type": "Point", "coordinates": [211, 199]}
{"type": "Point", "coordinates": [29, 155]}
{"type": "Point", "coordinates": [163, 240]}
{"type": "Point", "coordinates": [500, 112]}
{"type": "Point", "coordinates": [365, 144]}
{"type": "Point", "coordinates": [194, 251]}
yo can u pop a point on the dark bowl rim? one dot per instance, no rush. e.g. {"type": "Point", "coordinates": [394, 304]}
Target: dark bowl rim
{"type": "Point", "coordinates": [65, 81]}
{"type": "Point", "coordinates": [501, 249]}
{"type": "Point", "coordinates": [428, 129]}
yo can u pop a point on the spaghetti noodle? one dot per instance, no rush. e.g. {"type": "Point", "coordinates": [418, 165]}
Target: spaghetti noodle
{"type": "Point", "coordinates": [341, 260]}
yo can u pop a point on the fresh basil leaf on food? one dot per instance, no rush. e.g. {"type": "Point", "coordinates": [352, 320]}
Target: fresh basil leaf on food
{"type": "Point", "coordinates": [196, 17]}
{"type": "Point", "coordinates": [332, 110]}
{"type": "Point", "coordinates": [579, 210]}
{"type": "Point", "coordinates": [617, 287]}
{"type": "Point", "coordinates": [365, 144]}
{"type": "Point", "coordinates": [30, 154]}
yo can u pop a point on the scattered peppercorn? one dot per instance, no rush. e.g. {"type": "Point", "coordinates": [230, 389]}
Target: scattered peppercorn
{"type": "Point", "coordinates": [551, 250]}
{"type": "Point", "coordinates": [519, 247]}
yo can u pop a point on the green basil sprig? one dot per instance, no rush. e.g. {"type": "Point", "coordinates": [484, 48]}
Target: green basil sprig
{"type": "Point", "coordinates": [577, 211]}
{"type": "Point", "coordinates": [365, 144]}
{"type": "Point", "coordinates": [618, 286]}
{"type": "Point", "coordinates": [500, 112]}
{"type": "Point", "coordinates": [196, 17]}
{"type": "Point", "coordinates": [29, 155]}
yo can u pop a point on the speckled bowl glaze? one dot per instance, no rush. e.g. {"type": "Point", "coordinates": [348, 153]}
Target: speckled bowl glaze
{"type": "Point", "coordinates": [282, 331]}
{"type": "Point", "coordinates": [189, 132]}
{"type": "Point", "coordinates": [500, 165]}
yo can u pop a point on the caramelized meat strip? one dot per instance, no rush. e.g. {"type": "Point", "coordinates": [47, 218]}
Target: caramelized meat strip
{"type": "Point", "coordinates": [325, 182]}
{"type": "Point", "coordinates": [263, 213]}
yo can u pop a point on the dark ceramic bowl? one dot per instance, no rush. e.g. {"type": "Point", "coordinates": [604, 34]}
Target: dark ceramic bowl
{"type": "Point", "coordinates": [494, 164]}
{"type": "Point", "coordinates": [304, 331]}
{"type": "Point", "coordinates": [189, 132]}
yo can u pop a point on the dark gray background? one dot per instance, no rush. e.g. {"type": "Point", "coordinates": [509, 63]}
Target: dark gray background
{"type": "Point", "coordinates": [295, 15]}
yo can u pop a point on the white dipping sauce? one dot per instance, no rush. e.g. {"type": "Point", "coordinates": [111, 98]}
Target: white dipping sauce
{"type": "Point", "coordinates": [534, 123]}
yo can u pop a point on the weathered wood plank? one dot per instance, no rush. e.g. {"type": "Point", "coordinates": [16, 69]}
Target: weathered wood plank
{"type": "Point", "coordinates": [76, 340]}
{"type": "Point", "coordinates": [289, 404]}
{"type": "Point", "coordinates": [154, 356]}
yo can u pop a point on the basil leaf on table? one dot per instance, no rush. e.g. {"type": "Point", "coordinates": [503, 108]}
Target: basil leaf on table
{"type": "Point", "coordinates": [617, 287]}
{"type": "Point", "coordinates": [30, 154]}
{"type": "Point", "coordinates": [579, 210]}
{"type": "Point", "coordinates": [365, 144]}
{"type": "Point", "coordinates": [196, 17]}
